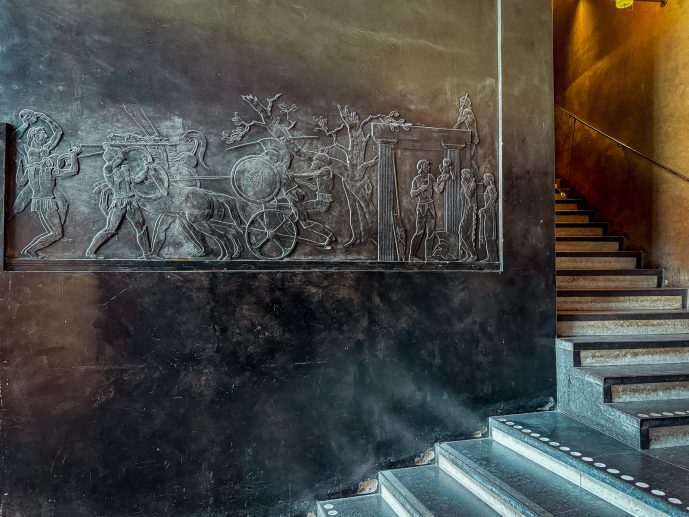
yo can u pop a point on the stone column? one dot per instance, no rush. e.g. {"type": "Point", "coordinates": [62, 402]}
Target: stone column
{"type": "Point", "coordinates": [387, 202]}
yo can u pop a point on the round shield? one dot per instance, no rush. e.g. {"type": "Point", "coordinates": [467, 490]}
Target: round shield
{"type": "Point", "coordinates": [255, 179]}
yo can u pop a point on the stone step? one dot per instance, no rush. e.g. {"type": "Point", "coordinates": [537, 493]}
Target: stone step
{"type": "Point", "coordinates": [661, 423]}
{"type": "Point", "coordinates": [360, 506]}
{"type": "Point", "coordinates": [592, 243]}
{"type": "Point", "coordinates": [598, 259]}
{"type": "Point", "coordinates": [570, 204]}
{"type": "Point", "coordinates": [609, 278]}
{"type": "Point", "coordinates": [572, 216]}
{"type": "Point", "coordinates": [621, 299]}
{"type": "Point", "coordinates": [508, 481]}
{"type": "Point", "coordinates": [602, 323]}
{"type": "Point", "coordinates": [429, 491]}
{"type": "Point", "coordinates": [638, 482]}
{"type": "Point", "coordinates": [581, 229]}
{"type": "Point", "coordinates": [639, 382]}
{"type": "Point", "coordinates": [625, 350]}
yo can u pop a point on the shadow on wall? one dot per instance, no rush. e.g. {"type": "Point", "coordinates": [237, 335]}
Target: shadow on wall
{"type": "Point", "coordinates": [621, 72]}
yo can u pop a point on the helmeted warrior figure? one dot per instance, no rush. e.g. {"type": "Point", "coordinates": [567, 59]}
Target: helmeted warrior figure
{"type": "Point", "coordinates": [319, 178]}
{"type": "Point", "coordinates": [37, 173]}
{"type": "Point", "coordinates": [423, 186]}
{"type": "Point", "coordinates": [118, 199]}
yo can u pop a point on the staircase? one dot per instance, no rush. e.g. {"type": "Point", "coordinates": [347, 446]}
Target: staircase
{"type": "Point", "coordinates": [618, 444]}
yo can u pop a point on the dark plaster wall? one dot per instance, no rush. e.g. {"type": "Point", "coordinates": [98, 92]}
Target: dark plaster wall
{"type": "Point", "coordinates": [251, 394]}
{"type": "Point", "coordinates": [625, 72]}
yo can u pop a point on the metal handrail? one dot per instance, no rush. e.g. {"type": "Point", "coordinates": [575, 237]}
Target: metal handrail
{"type": "Point", "coordinates": [622, 144]}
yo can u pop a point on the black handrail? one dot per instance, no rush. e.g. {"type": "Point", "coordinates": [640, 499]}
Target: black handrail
{"type": "Point", "coordinates": [622, 144]}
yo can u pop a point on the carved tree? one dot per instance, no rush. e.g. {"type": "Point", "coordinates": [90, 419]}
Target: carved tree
{"type": "Point", "coordinates": [348, 152]}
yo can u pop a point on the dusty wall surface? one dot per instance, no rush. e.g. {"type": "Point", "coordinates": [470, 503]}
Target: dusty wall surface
{"type": "Point", "coordinates": [626, 73]}
{"type": "Point", "coordinates": [254, 393]}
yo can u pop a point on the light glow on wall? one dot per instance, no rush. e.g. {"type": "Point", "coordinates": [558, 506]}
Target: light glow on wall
{"type": "Point", "coordinates": [624, 4]}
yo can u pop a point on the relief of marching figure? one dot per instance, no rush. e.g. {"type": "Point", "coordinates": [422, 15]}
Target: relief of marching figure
{"type": "Point", "coordinates": [295, 187]}
{"type": "Point", "coordinates": [38, 170]}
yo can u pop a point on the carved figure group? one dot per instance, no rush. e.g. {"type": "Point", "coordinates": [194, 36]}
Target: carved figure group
{"type": "Point", "coordinates": [279, 193]}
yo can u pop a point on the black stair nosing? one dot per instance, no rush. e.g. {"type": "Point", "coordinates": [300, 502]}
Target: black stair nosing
{"type": "Point", "coordinates": [626, 292]}
{"type": "Point", "coordinates": [599, 254]}
{"type": "Point", "coordinates": [581, 203]}
{"type": "Point", "coordinates": [607, 376]}
{"type": "Point", "coordinates": [578, 211]}
{"type": "Point", "coordinates": [577, 463]}
{"type": "Point", "coordinates": [610, 272]}
{"type": "Point", "coordinates": [583, 224]}
{"type": "Point", "coordinates": [624, 315]}
{"type": "Point", "coordinates": [636, 341]}
{"type": "Point", "coordinates": [513, 496]}
{"type": "Point", "coordinates": [652, 418]}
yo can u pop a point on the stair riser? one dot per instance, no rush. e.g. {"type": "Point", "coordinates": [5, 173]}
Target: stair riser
{"type": "Point", "coordinates": [611, 303]}
{"type": "Point", "coordinates": [389, 498]}
{"type": "Point", "coordinates": [633, 356]}
{"type": "Point", "coordinates": [615, 497]}
{"type": "Point", "coordinates": [596, 262]}
{"type": "Point", "coordinates": [675, 436]}
{"type": "Point", "coordinates": [572, 218]}
{"type": "Point", "coordinates": [621, 327]}
{"type": "Point", "coordinates": [587, 246]}
{"type": "Point", "coordinates": [579, 232]}
{"type": "Point", "coordinates": [481, 491]}
{"type": "Point", "coordinates": [567, 206]}
{"type": "Point", "coordinates": [648, 391]}
{"type": "Point", "coordinates": [606, 282]}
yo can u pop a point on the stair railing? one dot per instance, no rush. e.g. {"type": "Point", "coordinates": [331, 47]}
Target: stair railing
{"type": "Point", "coordinates": [619, 143]}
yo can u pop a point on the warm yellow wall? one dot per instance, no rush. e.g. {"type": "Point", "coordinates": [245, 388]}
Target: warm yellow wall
{"type": "Point", "coordinates": [627, 73]}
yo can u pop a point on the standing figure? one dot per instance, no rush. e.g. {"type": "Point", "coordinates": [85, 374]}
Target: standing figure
{"type": "Point", "coordinates": [467, 226]}
{"type": "Point", "coordinates": [37, 173]}
{"type": "Point", "coordinates": [423, 186]}
{"type": "Point", "coordinates": [118, 199]}
{"type": "Point", "coordinates": [319, 178]}
{"type": "Point", "coordinates": [488, 232]}
{"type": "Point", "coordinates": [467, 120]}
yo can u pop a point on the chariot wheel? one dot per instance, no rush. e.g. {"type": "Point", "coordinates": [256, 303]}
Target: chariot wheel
{"type": "Point", "coordinates": [271, 234]}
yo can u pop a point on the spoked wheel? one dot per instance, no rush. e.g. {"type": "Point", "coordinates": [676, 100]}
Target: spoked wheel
{"type": "Point", "coordinates": [271, 234]}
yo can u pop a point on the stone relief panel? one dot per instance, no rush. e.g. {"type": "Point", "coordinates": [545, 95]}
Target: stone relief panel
{"type": "Point", "coordinates": [356, 191]}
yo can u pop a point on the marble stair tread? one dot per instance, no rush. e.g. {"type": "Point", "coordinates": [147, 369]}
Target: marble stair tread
{"type": "Point", "coordinates": [624, 341]}
{"type": "Point", "coordinates": [428, 491]}
{"type": "Point", "coordinates": [630, 291]}
{"type": "Point", "coordinates": [579, 451]}
{"type": "Point", "coordinates": [526, 486]}
{"type": "Point", "coordinates": [635, 373]}
{"type": "Point", "coordinates": [563, 229]}
{"type": "Point", "coordinates": [583, 242]}
{"type": "Point", "coordinates": [676, 410]}
{"type": "Point", "coordinates": [624, 314]}
{"type": "Point", "coordinates": [371, 505]}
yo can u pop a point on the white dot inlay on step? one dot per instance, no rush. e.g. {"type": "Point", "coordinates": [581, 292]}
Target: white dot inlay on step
{"type": "Point", "coordinates": [544, 439]}
{"type": "Point", "coordinates": [627, 478]}
{"type": "Point", "coordinates": [575, 454]}
{"type": "Point", "coordinates": [613, 471]}
{"type": "Point", "coordinates": [535, 435]}
{"type": "Point", "coordinates": [328, 506]}
{"type": "Point", "coordinates": [502, 420]}
{"type": "Point", "coordinates": [656, 414]}
{"type": "Point", "coordinates": [641, 485]}
{"type": "Point", "coordinates": [642, 415]}
{"type": "Point", "coordinates": [509, 423]}
{"type": "Point", "coordinates": [526, 431]}
{"type": "Point", "coordinates": [566, 449]}
{"type": "Point", "coordinates": [600, 465]}
{"type": "Point", "coordinates": [518, 427]}
{"type": "Point", "coordinates": [674, 500]}
{"type": "Point", "coordinates": [657, 492]}
{"type": "Point", "coordinates": [680, 412]}
{"type": "Point", "coordinates": [587, 459]}
{"type": "Point", "coordinates": [554, 444]}
{"type": "Point", "coordinates": [667, 413]}
{"type": "Point", "coordinates": [332, 512]}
